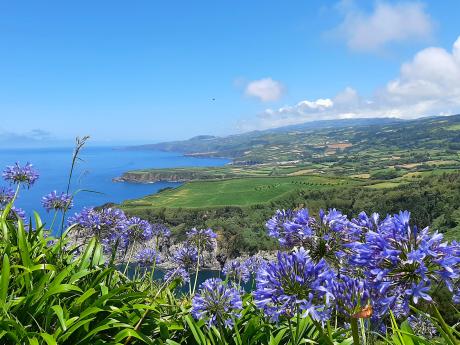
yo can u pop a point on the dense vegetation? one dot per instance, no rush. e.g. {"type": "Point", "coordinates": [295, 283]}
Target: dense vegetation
{"type": "Point", "coordinates": [318, 290]}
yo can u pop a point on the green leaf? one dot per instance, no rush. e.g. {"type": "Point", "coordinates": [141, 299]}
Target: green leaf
{"type": "Point", "coordinates": [5, 279]}
{"type": "Point", "coordinates": [128, 332]}
{"type": "Point", "coordinates": [48, 338]}
{"type": "Point", "coordinates": [60, 315]}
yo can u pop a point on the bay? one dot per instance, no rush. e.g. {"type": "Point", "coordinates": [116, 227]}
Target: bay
{"type": "Point", "coordinates": [95, 171]}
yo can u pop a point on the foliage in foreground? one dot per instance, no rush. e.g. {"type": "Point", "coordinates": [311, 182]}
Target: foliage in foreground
{"type": "Point", "coordinates": [336, 281]}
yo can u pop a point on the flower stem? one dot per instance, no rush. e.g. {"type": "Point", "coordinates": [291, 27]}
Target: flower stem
{"type": "Point", "coordinates": [196, 272]}
{"type": "Point", "coordinates": [129, 258]}
{"type": "Point", "coordinates": [354, 331]}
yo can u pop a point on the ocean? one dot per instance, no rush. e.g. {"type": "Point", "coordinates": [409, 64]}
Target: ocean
{"type": "Point", "coordinates": [92, 179]}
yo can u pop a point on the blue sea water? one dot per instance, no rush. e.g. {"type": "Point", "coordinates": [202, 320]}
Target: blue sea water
{"type": "Point", "coordinates": [95, 171]}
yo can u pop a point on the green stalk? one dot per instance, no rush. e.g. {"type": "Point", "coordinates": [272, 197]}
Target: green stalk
{"type": "Point", "coordinates": [196, 273]}
{"type": "Point", "coordinates": [354, 331]}
{"type": "Point", "coordinates": [154, 262]}
{"type": "Point", "coordinates": [129, 258]}
{"type": "Point", "coordinates": [291, 331]}
{"type": "Point", "coordinates": [197, 267]}
{"type": "Point", "coordinates": [445, 327]}
{"type": "Point", "coordinates": [52, 223]}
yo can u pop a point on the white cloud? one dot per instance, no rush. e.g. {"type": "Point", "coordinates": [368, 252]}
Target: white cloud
{"type": "Point", "coordinates": [429, 84]}
{"type": "Point", "coordinates": [265, 89]}
{"type": "Point", "coordinates": [387, 23]}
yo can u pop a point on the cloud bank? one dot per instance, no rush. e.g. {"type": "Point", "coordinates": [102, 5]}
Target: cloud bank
{"type": "Point", "coordinates": [387, 23]}
{"type": "Point", "coordinates": [429, 84]}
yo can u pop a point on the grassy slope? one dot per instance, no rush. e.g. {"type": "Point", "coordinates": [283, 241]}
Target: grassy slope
{"type": "Point", "coordinates": [236, 192]}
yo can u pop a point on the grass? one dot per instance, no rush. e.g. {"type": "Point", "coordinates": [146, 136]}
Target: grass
{"type": "Point", "coordinates": [235, 192]}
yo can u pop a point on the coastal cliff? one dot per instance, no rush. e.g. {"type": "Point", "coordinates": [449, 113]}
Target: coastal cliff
{"type": "Point", "coordinates": [177, 175]}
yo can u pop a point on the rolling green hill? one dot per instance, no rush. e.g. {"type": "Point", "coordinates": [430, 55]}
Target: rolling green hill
{"type": "Point", "coordinates": [236, 192]}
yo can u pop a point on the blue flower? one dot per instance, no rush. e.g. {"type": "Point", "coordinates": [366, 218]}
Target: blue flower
{"type": "Point", "coordinates": [422, 325]}
{"type": "Point", "coordinates": [401, 261]}
{"type": "Point", "coordinates": [138, 229]}
{"type": "Point", "coordinates": [326, 238]}
{"type": "Point", "coordinates": [202, 239]}
{"type": "Point", "coordinates": [6, 196]}
{"type": "Point", "coordinates": [160, 231]}
{"type": "Point", "coordinates": [177, 274]}
{"type": "Point", "coordinates": [57, 202]}
{"type": "Point", "coordinates": [16, 174]}
{"type": "Point", "coordinates": [350, 294]}
{"type": "Point", "coordinates": [148, 257]}
{"type": "Point", "coordinates": [236, 270]}
{"type": "Point", "coordinates": [15, 214]}
{"type": "Point", "coordinates": [253, 263]}
{"type": "Point", "coordinates": [294, 284]}
{"type": "Point", "coordinates": [420, 290]}
{"type": "Point", "coordinates": [186, 256]}
{"type": "Point", "coordinates": [110, 225]}
{"type": "Point", "coordinates": [217, 303]}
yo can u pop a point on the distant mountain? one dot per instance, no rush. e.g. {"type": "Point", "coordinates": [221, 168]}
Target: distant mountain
{"type": "Point", "coordinates": [340, 123]}
{"type": "Point", "coordinates": [322, 139]}
{"type": "Point", "coordinates": [210, 143]}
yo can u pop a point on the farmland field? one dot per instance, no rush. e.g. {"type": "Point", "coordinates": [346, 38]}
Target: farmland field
{"type": "Point", "coordinates": [236, 192]}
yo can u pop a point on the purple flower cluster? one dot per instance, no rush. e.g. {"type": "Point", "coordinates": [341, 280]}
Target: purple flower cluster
{"type": "Point", "coordinates": [217, 303]}
{"type": "Point", "coordinates": [253, 263]}
{"type": "Point", "coordinates": [148, 257]}
{"type": "Point", "coordinates": [324, 238]}
{"type": "Point", "coordinates": [138, 229]}
{"type": "Point", "coordinates": [15, 214]}
{"type": "Point", "coordinates": [160, 231]}
{"type": "Point", "coordinates": [177, 274]}
{"type": "Point", "coordinates": [202, 239]}
{"type": "Point", "coordinates": [15, 174]}
{"type": "Point", "coordinates": [294, 284]}
{"type": "Point", "coordinates": [350, 294]}
{"type": "Point", "coordinates": [57, 202]}
{"type": "Point", "coordinates": [186, 257]}
{"type": "Point", "coordinates": [386, 263]}
{"type": "Point", "coordinates": [236, 270]}
{"type": "Point", "coordinates": [422, 325]}
{"type": "Point", "coordinates": [401, 262]}
{"type": "Point", "coordinates": [115, 230]}
{"type": "Point", "coordinates": [6, 196]}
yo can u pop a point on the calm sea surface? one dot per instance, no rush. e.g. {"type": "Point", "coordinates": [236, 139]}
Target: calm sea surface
{"type": "Point", "coordinates": [95, 172]}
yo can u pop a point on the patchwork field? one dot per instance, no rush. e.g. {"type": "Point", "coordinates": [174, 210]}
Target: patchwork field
{"type": "Point", "coordinates": [235, 192]}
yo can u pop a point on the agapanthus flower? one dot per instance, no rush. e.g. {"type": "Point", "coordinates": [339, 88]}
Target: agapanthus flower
{"type": "Point", "coordinates": [202, 239]}
{"type": "Point", "coordinates": [57, 202]}
{"type": "Point", "coordinates": [402, 262]}
{"type": "Point", "coordinates": [422, 326]}
{"type": "Point", "coordinates": [16, 174]}
{"type": "Point", "coordinates": [186, 256]}
{"type": "Point", "coordinates": [6, 195]}
{"type": "Point", "coordinates": [177, 274]}
{"type": "Point", "coordinates": [217, 303]}
{"type": "Point", "coordinates": [294, 284]}
{"type": "Point", "coordinates": [110, 225]}
{"type": "Point", "coordinates": [253, 263]}
{"type": "Point", "coordinates": [148, 257]}
{"type": "Point", "coordinates": [15, 213]}
{"type": "Point", "coordinates": [324, 238]}
{"type": "Point", "coordinates": [160, 231]}
{"type": "Point", "coordinates": [350, 294]}
{"type": "Point", "coordinates": [138, 230]}
{"type": "Point", "coordinates": [236, 270]}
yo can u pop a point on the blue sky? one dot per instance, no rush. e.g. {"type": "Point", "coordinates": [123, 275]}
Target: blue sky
{"type": "Point", "coordinates": [144, 71]}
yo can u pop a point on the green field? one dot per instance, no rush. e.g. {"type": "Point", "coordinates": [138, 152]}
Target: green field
{"type": "Point", "coordinates": [236, 192]}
